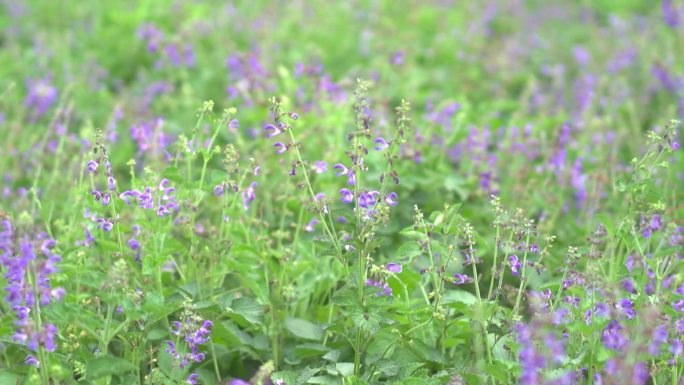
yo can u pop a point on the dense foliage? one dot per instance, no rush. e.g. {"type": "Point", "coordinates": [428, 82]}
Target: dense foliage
{"type": "Point", "coordinates": [342, 193]}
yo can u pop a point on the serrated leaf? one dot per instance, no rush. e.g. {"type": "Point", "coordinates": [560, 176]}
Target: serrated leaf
{"type": "Point", "coordinates": [332, 356]}
{"type": "Point", "coordinates": [247, 309]}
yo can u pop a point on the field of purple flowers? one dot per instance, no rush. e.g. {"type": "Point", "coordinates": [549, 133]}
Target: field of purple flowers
{"type": "Point", "coordinates": [343, 193]}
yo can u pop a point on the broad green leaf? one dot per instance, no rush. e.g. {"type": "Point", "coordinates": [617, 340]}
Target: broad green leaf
{"type": "Point", "coordinates": [304, 329]}
{"type": "Point", "coordinates": [107, 366]}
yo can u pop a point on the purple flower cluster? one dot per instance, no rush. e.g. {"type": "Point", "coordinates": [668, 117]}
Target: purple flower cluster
{"type": "Point", "coordinates": [103, 197]}
{"type": "Point", "coordinates": [29, 262]}
{"type": "Point", "coordinates": [193, 333]}
{"type": "Point", "coordinates": [393, 268]}
{"type": "Point", "coordinates": [534, 360]}
{"type": "Point", "coordinates": [41, 96]}
{"type": "Point", "coordinates": [172, 53]}
{"type": "Point", "coordinates": [150, 137]}
{"type": "Point", "coordinates": [248, 194]}
{"type": "Point", "coordinates": [162, 198]}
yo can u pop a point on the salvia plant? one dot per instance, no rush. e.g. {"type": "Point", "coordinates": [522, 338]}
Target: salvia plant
{"type": "Point", "coordinates": [341, 193]}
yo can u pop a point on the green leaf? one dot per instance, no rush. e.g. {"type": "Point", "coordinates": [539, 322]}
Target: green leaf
{"type": "Point", "coordinates": [304, 329]}
{"type": "Point", "coordinates": [157, 334]}
{"type": "Point", "coordinates": [325, 380]}
{"type": "Point", "coordinates": [286, 376]}
{"type": "Point", "coordinates": [498, 370]}
{"type": "Point", "coordinates": [107, 366]}
{"type": "Point", "coordinates": [332, 356]}
{"type": "Point", "coordinates": [459, 296]}
{"type": "Point", "coordinates": [368, 322]}
{"type": "Point", "coordinates": [8, 378]}
{"type": "Point", "coordinates": [246, 309]}
{"type": "Point", "coordinates": [408, 251]}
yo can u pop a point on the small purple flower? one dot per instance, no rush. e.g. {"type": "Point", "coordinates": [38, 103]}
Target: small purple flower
{"type": "Point", "coordinates": [249, 195]}
{"type": "Point", "coordinates": [394, 268]}
{"type": "Point", "coordinates": [612, 336]}
{"type": "Point", "coordinates": [628, 286]}
{"type": "Point", "coordinates": [561, 317]}
{"type": "Point", "coordinates": [272, 130]}
{"type": "Point", "coordinates": [32, 360]}
{"type": "Point", "coordinates": [671, 15]}
{"type": "Point", "coordinates": [320, 167]}
{"type": "Point", "coordinates": [658, 338]}
{"type": "Point", "coordinates": [368, 199]}
{"type": "Point", "coordinates": [41, 96]}
{"type": "Point", "coordinates": [310, 226]}
{"type": "Point", "coordinates": [105, 225]}
{"type": "Point", "coordinates": [218, 190]}
{"type": "Point", "coordinates": [515, 265]}
{"type": "Point", "coordinates": [380, 144]}
{"type": "Point", "coordinates": [461, 279]}
{"type": "Point", "coordinates": [192, 379]}
{"type": "Point", "coordinates": [341, 169]}
{"type": "Point", "coordinates": [92, 166]}
{"type": "Point", "coordinates": [282, 147]}
{"type": "Point", "coordinates": [238, 381]}
{"type": "Point", "coordinates": [347, 196]}
{"type": "Point", "coordinates": [351, 179]}
{"type": "Point", "coordinates": [176, 328]}
{"type": "Point", "coordinates": [627, 306]}
{"type": "Point", "coordinates": [391, 199]}
{"type": "Point", "coordinates": [234, 125]}
{"type": "Point", "coordinates": [679, 305]}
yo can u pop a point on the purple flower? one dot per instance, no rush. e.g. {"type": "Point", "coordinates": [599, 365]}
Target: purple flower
{"type": "Point", "coordinates": [347, 196]}
{"type": "Point", "coordinates": [394, 268]}
{"type": "Point", "coordinates": [612, 336]}
{"type": "Point", "coordinates": [341, 169]}
{"type": "Point", "coordinates": [192, 379]}
{"type": "Point", "coordinates": [628, 286]}
{"type": "Point", "coordinates": [32, 360]}
{"type": "Point", "coordinates": [218, 190]}
{"type": "Point", "coordinates": [310, 226]}
{"type": "Point", "coordinates": [238, 381]}
{"type": "Point", "coordinates": [658, 338]}
{"type": "Point", "coordinates": [561, 317]}
{"type": "Point", "coordinates": [380, 144]}
{"type": "Point", "coordinates": [281, 147]}
{"type": "Point", "coordinates": [272, 130]}
{"type": "Point", "coordinates": [679, 305]}
{"type": "Point", "coordinates": [671, 15]}
{"type": "Point", "coordinates": [351, 179]}
{"type": "Point", "coordinates": [386, 289]}
{"type": "Point", "coordinates": [248, 195]}
{"type": "Point", "coordinates": [320, 167]}
{"type": "Point", "coordinates": [41, 96]}
{"type": "Point", "coordinates": [194, 332]}
{"type": "Point", "coordinates": [627, 306]}
{"type": "Point", "coordinates": [461, 279]}
{"type": "Point", "coordinates": [234, 125]}
{"type": "Point", "coordinates": [368, 199]}
{"type": "Point", "coordinates": [105, 225]}
{"type": "Point", "coordinates": [515, 264]}
{"type": "Point", "coordinates": [92, 166]}
{"type": "Point", "coordinates": [391, 199]}
{"type": "Point", "coordinates": [531, 360]}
